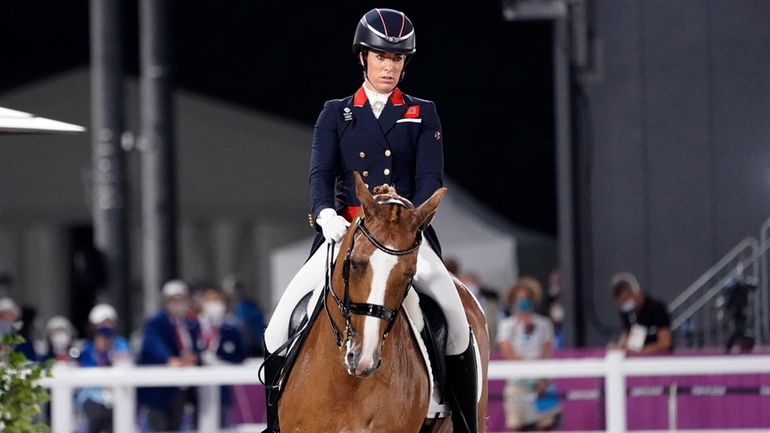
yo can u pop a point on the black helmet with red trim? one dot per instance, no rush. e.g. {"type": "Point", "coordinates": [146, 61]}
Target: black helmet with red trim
{"type": "Point", "coordinates": [384, 30]}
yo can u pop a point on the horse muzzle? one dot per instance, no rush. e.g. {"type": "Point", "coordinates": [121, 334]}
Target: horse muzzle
{"type": "Point", "coordinates": [361, 366]}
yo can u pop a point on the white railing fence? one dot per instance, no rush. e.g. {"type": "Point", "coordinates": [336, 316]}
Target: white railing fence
{"type": "Point", "coordinates": [615, 368]}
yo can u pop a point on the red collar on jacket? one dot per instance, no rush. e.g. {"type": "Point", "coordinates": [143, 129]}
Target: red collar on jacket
{"type": "Point", "coordinates": [396, 98]}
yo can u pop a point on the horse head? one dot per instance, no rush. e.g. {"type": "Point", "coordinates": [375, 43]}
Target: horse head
{"type": "Point", "coordinates": [380, 261]}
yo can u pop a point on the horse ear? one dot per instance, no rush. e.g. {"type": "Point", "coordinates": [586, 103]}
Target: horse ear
{"type": "Point", "coordinates": [426, 210]}
{"type": "Point", "coordinates": [362, 191]}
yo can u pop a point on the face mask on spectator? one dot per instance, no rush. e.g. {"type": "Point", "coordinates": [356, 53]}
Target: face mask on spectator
{"type": "Point", "coordinates": [214, 311]}
{"type": "Point", "coordinates": [105, 331]}
{"type": "Point", "coordinates": [524, 305]}
{"type": "Point", "coordinates": [60, 340]}
{"type": "Point", "coordinates": [628, 306]}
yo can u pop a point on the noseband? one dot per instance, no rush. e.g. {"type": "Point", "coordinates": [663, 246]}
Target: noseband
{"type": "Point", "coordinates": [344, 305]}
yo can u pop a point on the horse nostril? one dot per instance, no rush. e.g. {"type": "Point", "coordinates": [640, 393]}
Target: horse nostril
{"type": "Point", "coordinates": [379, 363]}
{"type": "Point", "coordinates": [350, 358]}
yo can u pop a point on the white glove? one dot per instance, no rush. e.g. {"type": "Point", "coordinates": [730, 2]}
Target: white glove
{"type": "Point", "coordinates": [332, 225]}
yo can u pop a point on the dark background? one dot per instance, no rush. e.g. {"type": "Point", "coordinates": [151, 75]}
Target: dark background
{"type": "Point", "coordinates": [491, 79]}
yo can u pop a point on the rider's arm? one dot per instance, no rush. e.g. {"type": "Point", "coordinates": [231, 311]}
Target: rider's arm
{"type": "Point", "coordinates": [324, 161]}
{"type": "Point", "coordinates": [429, 165]}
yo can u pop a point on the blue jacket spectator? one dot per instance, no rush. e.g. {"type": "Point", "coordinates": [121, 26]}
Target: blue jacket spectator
{"type": "Point", "coordinates": [252, 322]}
{"type": "Point", "coordinates": [222, 342]}
{"type": "Point", "coordinates": [169, 338]}
{"type": "Point", "coordinates": [248, 316]}
{"type": "Point", "coordinates": [104, 349]}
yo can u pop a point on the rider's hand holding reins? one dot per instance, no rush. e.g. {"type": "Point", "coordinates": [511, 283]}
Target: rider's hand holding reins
{"type": "Point", "coordinates": [332, 225]}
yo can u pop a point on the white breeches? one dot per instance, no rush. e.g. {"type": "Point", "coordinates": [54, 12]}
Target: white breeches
{"type": "Point", "coordinates": [431, 279]}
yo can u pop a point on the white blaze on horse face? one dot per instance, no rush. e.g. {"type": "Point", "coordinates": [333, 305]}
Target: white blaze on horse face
{"type": "Point", "coordinates": [382, 264]}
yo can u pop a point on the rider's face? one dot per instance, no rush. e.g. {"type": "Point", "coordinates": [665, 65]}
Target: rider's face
{"type": "Point", "coordinates": [384, 70]}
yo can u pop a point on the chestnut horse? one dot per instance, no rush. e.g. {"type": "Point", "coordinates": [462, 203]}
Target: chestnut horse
{"type": "Point", "coordinates": [361, 370]}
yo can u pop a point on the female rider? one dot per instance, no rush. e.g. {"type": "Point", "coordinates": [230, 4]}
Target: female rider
{"type": "Point", "coordinates": [390, 138]}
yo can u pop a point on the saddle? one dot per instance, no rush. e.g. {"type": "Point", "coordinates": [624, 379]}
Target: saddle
{"type": "Point", "coordinates": [433, 335]}
{"type": "Point", "coordinates": [299, 315]}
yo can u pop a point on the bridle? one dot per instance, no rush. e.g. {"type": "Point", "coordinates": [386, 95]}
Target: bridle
{"type": "Point", "coordinates": [344, 305]}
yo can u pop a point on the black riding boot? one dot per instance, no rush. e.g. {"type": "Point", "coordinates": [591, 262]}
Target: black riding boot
{"type": "Point", "coordinates": [272, 364]}
{"type": "Point", "coordinates": [462, 381]}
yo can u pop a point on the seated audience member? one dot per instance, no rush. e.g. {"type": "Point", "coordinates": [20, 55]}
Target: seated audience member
{"type": "Point", "coordinates": [531, 284]}
{"type": "Point", "coordinates": [222, 342]}
{"type": "Point", "coordinates": [487, 297]}
{"type": "Point", "coordinates": [60, 336]}
{"type": "Point", "coordinates": [526, 335]}
{"type": "Point", "coordinates": [452, 265]}
{"type": "Point", "coordinates": [9, 317]}
{"type": "Point", "coordinates": [169, 338]}
{"type": "Point", "coordinates": [248, 316]}
{"type": "Point", "coordinates": [646, 322]}
{"type": "Point", "coordinates": [104, 349]}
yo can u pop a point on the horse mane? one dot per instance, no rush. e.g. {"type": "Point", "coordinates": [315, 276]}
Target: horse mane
{"type": "Point", "coordinates": [385, 189]}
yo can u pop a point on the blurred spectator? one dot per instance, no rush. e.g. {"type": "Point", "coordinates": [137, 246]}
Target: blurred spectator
{"type": "Point", "coordinates": [248, 316]}
{"type": "Point", "coordinates": [646, 322]}
{"type": "Point", "coordinates": [526, 335]}
{"type": "Point", "coordinates": [452, 265]}
{"type": "Point", "coordinates": [104, 349]}
{"type": "Point", "coordinates": [484, 294]}
{"type": "Point", "coordinates": [169, 338]}
{"type": "Point", "coordinates": [222, 342]}
{"type": "Point", "coordinates": [555, 308]}
{"type": "Point", "coordinates": [531, 284]}
{"type": "Point", "coordinates": [487, 297]}
{"type": "Point", "coordinates": [9, 317]}
{"type": "Point", "coordinates": [60, 336]}
{"type": "Point", "coordinates": [736, 307]}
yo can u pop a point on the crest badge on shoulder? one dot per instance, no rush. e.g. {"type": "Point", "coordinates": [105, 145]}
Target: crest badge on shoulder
{"type": "Point", "coordinates": [347, 114]}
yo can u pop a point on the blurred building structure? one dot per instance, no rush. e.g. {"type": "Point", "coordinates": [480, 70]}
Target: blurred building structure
{"type": "Point", "coordinates": [672, 133]}
{"type": "Point", "coordinates": [242, 192]}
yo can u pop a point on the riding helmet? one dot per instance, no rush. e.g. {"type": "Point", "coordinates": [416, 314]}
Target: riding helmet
{"type": "Point", "coordinates": [384, 30]}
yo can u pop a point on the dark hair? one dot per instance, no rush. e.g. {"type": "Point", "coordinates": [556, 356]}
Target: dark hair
{"type": "Point", "coordinates": [622, 282]}
{"type": "Point", "coordinates": [621, 287]}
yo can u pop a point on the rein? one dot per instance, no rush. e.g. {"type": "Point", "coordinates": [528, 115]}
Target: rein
{"type": "Point", "coordinates": [344, 305]}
